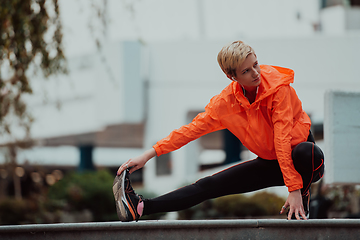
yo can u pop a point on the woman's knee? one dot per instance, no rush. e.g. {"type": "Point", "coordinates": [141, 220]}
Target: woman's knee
{"type": "Point", "coordinates": [307, 156]}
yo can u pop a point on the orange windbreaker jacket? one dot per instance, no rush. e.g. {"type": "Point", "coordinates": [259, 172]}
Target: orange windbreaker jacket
{"type": "Point", "coordinates": [270, 127]}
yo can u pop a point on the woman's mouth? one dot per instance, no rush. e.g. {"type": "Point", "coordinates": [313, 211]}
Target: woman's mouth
{"type": "Point", "coordinates": [256, 79]}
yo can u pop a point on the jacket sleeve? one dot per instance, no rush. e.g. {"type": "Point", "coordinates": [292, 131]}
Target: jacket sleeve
{"type": "Point", "coordinates": [203, 123]}
{"type": "Point", "coordinates": [283, 123]}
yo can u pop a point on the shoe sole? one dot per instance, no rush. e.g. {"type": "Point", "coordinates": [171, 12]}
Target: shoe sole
{"type": "Point", "coordinates": [119, 195]}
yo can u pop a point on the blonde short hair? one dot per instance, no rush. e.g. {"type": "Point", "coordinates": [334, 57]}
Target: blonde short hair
{"type": "Point", "coordinates": [233, 55]}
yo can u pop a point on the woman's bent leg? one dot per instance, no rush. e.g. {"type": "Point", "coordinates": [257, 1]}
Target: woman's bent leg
{"type": "Point", "coordinates": [309, 162]}
{"type": "Point", "coordinates": [244, 177]}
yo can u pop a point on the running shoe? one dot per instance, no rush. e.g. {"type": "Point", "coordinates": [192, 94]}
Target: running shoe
{"type": "Point", "coordinates": [125, 197]}
{"type": "Point", "coordinates": [306, 203]}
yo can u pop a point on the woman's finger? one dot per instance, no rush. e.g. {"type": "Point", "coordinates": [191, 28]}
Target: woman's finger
{"type": "Point", "coordinates": [133, 169]}
{"type": "Point", "coordinates": [302, 213]}
{"type": "Point", "coordinates": [297, 215]}
{"type": "Point", "coordinates": [123, 167]}
{"type": "Point", "coordinates": [290, 214]}
{"type": "Point", "coordinates": [283, 208]}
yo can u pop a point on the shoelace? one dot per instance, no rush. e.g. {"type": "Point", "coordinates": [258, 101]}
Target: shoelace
{"type": "Point", "coordinates": [130, 190]}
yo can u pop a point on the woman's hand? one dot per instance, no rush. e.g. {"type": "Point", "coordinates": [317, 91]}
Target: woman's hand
{"type": "Point", "coordinates": [137, 162]}
{"type": "Point", "coordinates": [294, 201]}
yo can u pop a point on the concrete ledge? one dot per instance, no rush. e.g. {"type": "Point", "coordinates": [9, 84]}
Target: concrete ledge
{"type": "Point", "coordinates": [198, 229]}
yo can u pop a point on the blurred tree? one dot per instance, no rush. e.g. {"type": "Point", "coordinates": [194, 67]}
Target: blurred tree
{"type": "Point", "coordinates": [31, 43]}
{"type": "Point", "coordinates": [30, 38]}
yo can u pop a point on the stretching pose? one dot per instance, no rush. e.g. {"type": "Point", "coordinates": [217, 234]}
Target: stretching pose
{"type": "Point", "coordinates": [261, 109]}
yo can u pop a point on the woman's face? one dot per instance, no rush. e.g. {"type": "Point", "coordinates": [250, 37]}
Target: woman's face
{"type": "Point", "coordinates": [248, 73]}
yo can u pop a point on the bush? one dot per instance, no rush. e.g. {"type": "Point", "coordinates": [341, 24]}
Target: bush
{"type": "Point", "coordinates": [92, 191]}
{"type": "Point", "coordinates": [87, 190]}
{"type": "Point", "coordinates": [271, 203]}
{"type": "Point", "coordinates": [236, 206]}
{"type": "Point", "coordinates": [68, 200]}
{"type": "Point", "coordinates": [14, 211]}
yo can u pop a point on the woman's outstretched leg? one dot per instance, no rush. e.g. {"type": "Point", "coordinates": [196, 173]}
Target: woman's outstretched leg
{"type": "Point", "coordinates": [244, 177]}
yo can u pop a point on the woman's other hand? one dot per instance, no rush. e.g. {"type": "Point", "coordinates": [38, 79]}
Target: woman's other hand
{"type": "Point", "coordinates": [294, 201]}
{"type": "Point", "coordinates": [138, 162]}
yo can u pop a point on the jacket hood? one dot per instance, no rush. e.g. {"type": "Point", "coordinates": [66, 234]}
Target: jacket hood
{"type": "Point", "coordinates": [272, 78]}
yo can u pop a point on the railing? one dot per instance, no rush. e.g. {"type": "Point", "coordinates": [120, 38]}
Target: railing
{"type": "Point", "coordinates": [196, 229]}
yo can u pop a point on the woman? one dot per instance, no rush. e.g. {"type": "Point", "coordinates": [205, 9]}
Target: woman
{"type": "Point", "coordinates": [261, 109]}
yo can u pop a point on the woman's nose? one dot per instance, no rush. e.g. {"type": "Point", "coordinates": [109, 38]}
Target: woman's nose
{"type": "Point", "coordinates": [255, 73]}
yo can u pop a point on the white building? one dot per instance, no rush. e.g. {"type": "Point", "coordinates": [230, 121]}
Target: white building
{"type": "Point", "coordinates": [133, 93]}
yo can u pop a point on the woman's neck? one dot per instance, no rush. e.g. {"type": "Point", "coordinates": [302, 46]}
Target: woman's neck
{"type": "Point", "coordinates": [250, 93]}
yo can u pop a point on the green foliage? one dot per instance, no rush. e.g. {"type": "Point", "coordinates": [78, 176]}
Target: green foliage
{"type": "Point", "coordinates": [15, 211]}
{"type": "Point", "coordinates": [30, 35]}
{"type": "Point", "coordinates": [236, 206]}
{"type": "Point", "coordinates": [67, 200]}
{"type": "Point", "coordinates": [88, 190]}
{"type": "Point", "coordinates": [93, 191]}
{"type": "Point", "coordinates": [270, 202]}
{"type": "Point", "coordinates": [12, 211]}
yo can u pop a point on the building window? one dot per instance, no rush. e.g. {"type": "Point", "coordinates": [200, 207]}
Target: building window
{"type": "Point", "coordinates": [163, 165]}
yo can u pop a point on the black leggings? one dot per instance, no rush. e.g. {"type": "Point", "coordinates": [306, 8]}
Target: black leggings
{"type": "Point", "coordinates": [241, 178]}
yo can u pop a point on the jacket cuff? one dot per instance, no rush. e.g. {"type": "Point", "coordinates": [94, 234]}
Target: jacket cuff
{"type": "Point", "coordinates": [157, 150]}
{"type": "Point", "coordinates": [294, 188]}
